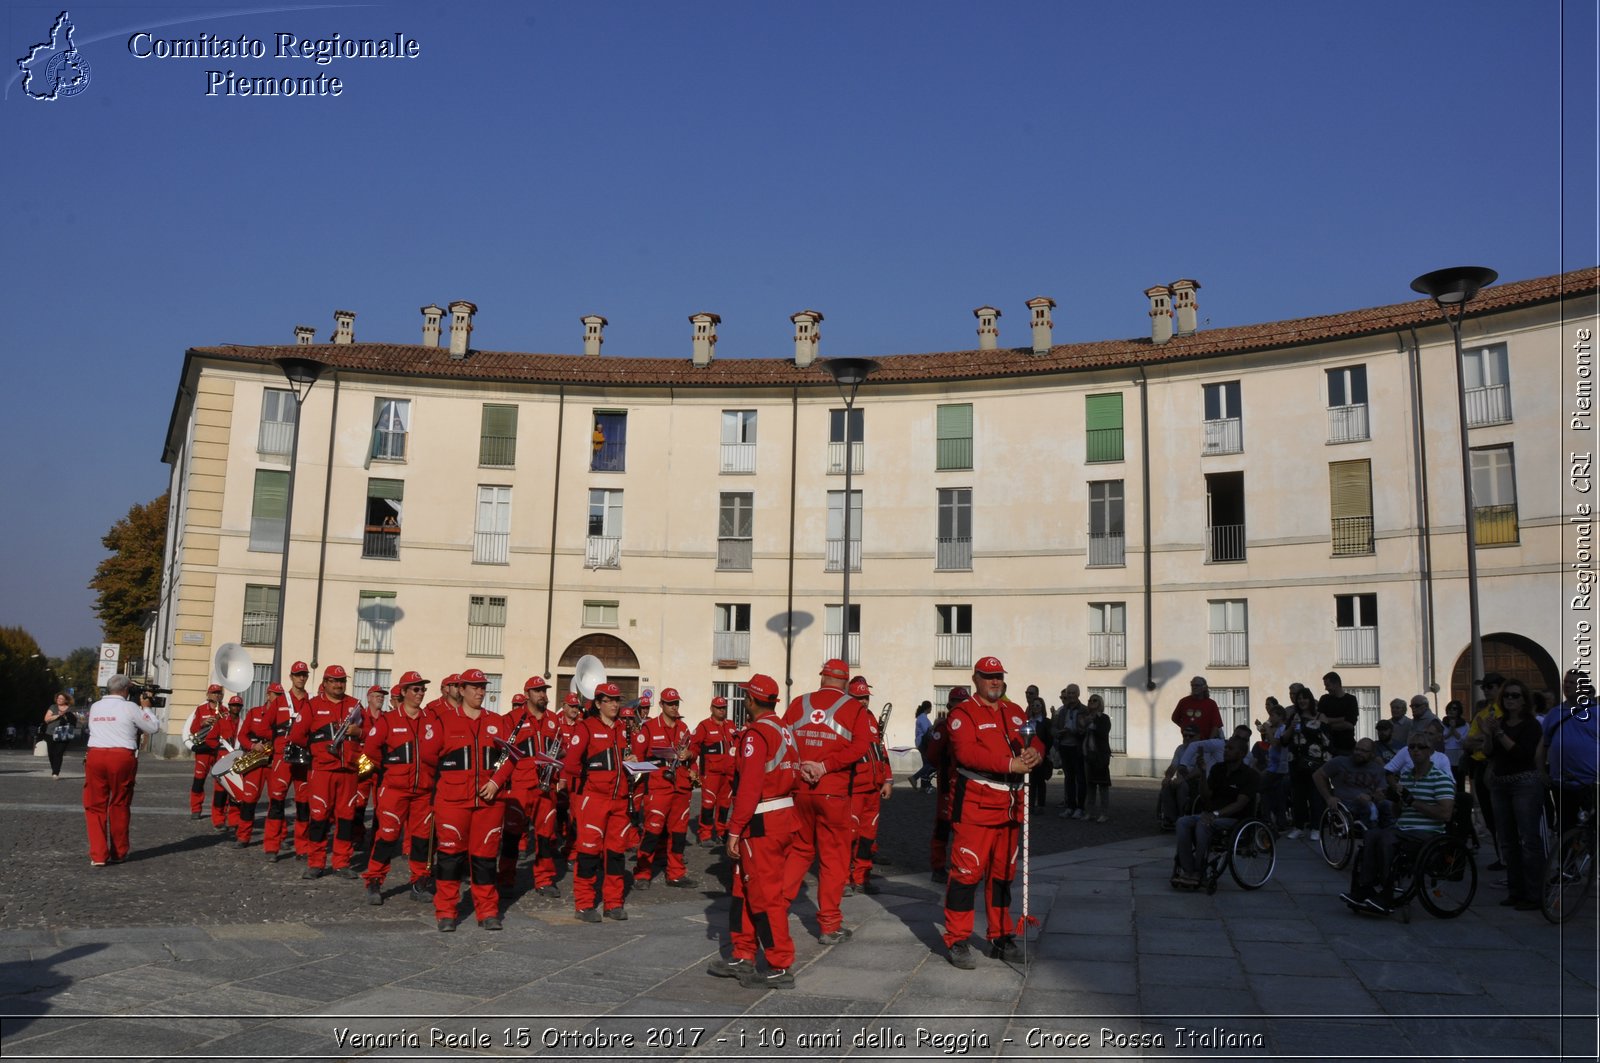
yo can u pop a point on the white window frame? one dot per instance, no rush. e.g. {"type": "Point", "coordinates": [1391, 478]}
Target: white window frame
{"type": "Point", "coordinates": [1112, 550]}
{"type": "Point", "coordinates": [1108, 634]}
{"type": "Point", "coordinates": [491, 529]}
{"type": "Point", "coordinates": [952, 635]}
{"type": "Point", "coordinates": [486, 625]}
{"type": "Point", "coordinates": [835, 543]}
{"type": "Point", "coordinates": [1115, 700]}
{"type": "Point", "coordinates": [601, 614]}
{"type": "Point", "coordinates": [730, 633]}
{"type": "Point", "coordinates": [832, 629]}
{"type": "Point", "coordinates": [953, 535]}
{"type": "Point", "coordinates": [391, 429]}
{"type": "Point", "coordinates": [738, 456]}
{"type": "Point", "coordinates": [1357, 641]}
{"type": "Point", "coordinates": [275, 437]}
{"type": "Point", "coordinates": [1228, 628]}
{"type": "Point", "coordinates": [375, 626]}
{"type": "Point", "coordinates": [1485, 375]}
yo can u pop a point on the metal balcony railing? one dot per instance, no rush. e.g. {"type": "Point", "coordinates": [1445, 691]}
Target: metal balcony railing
{"type": "Point", "coordinates": [954, 553]}
{"type": "Point", "coordinates": [374, 638]}
{"type": "Point", "coordinates": [858, 457]}
{"type": "Point", "coordinates": [1225, 436]}
{"type": "Point", "coordinates": [1102, 444]}
{"type": "Point", "coordinates": [730, 646]}
{"type": "Point", "coordinates": [389, 446]}
{"type": "Point", "coordinates": [1352, 535]}
{"type": "Point", "coordinates": [1108, 649]}
{"type": "Point", "coordinates": [738, 457]}
{"type": "Point", "coordinates": [260, 629]}
{"type": "Point", "coordinates": [1495, 525]}
{"type": "Point", "coordinates": [610, 457]}
{"type": "Point", "coordinates": [1225, 542]}
{"type": "Point", "coordinates": [954, 453]}
{"type": "Point", "coordinates": [1230, 649]}
{"type": "Point", "coordinates": [952, 651]}
{"type": "Point", "coordinates": [734, 555]}
{"type": "Point", "coordinates": [831, 647]}
{"type": "Point", "coordinates": [1489, 405]}
{"type": "Point", "coordinates": [275, 438]}
{"type": "Point", "coordinates": [497, 451]}
{"type": "Point", "coordinates": [491, 548]}
{"type": "Point", "coordinates": [1348, 424]}
{"type": "Point", "coordinates": [603, 551]}
{"type": "Point", "coordinates": [836, 555]}
{"type": "Point", "coordinates": [1105, 549]}
{"type": "Point", "coordinates": [485, 640]}
{"type": "Point", "coordinates": [1358, 645]}
{"type": "Point", "coordinates": [381, 542]}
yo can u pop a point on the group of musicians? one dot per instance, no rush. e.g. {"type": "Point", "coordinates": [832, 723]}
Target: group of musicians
{"type": "Point", "coordinates": [461, 792]}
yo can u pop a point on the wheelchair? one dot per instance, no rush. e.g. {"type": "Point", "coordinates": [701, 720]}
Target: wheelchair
{"type": "Point", "coordinates": [1440, 873]}
{"type": "Point", "coordinates": [1340, 833]}
{"type": "Point", "coordinates": [1248, 851]}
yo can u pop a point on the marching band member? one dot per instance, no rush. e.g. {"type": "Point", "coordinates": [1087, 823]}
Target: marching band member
{"type": "Point", "coordinates": [712, 744]}
{"type": "Point", "coordinates": [204, 723]}
{"type": "Point", "coordinates": [938, 754]}
{"type": "Point", "coordinates": [991, 760]}
{"type": "Point", "coordinates": [397, 698]}
{"type": "Point", "coordinates": [333, 773]}
{"type": "Point", "coordinates": [404, 808]}
{"type": "Point", "coordinates": [832, 734]}
{"type": "Point", "coordinates": [376, 701]}
{"type": "Point", "coordinates": [293, 706]}
{"type": "Point", "coordinates": [761, 828]}
{"type": "Point", "coordinates": [593, 765]}
{"type": "Point", "coordinates": [224, 812]}
{"type": "Point", "coordinates": [467, 817]}
{"type": "Point", "coordinates": [529, 781]}
{"type": "Point", "coordinates": [871, 784]}
{"type": "Point", "coordinates": [255, 733]}
{"type": "Point", "coordinates": [566, 826]}
{"type": "Point", "coordinates": [664, 741]}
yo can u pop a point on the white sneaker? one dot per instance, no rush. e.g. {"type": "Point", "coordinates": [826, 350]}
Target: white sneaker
{"type": "Point", "coordinates": [1316, 835]}
{"type": "Point", "coordinates": [1296, 833]}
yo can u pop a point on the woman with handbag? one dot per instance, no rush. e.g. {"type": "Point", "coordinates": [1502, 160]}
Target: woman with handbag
{"type": "Point", "coordinates": [59, 724]}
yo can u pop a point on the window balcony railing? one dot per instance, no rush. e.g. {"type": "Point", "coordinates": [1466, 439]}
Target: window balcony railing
{"type": "Point", "coordinates": [952, 651]}
{"type": "Point", "coordinates": [609, 457]}
{"type": "Point", "coordinates": [954, 453]}
{"type": "Point", "coordinates": [1102, 444]}
{"type": "Point", "coordinates": [734, 555]}
{"type": "Point", "coordinates": [1348, 424]}
{"type": "Point", "coordinates": [374, 638]}
{"type": "Point", "coordinates": [381, 542]}
{"type": "Point", "coordinates": [388, 446]}
{"type": "Point", "coordinates": [1225, 542]}
{"type": "Point", "coordinates": [1358, 645]}
{"type": "Point", "coordinates": [954, 553]}
{"type": "Point", "coordinates": [266, 533]}
{"type": "Point", "coordinates": [491, 548]}
{"type": "Point", "coordinates": [731, 646]}
{"type": "Point", "coordinates": [1490, 405]}
{"type": "Point", "coordinates": [858, 457]}
{"type": "Point", "coordinates": [603, 551]}
{"type": "Point", "coordinates": [1495, 525]}
{"type": "Point", "coordinates": [1225, 436]}
{"type": "Point", "coordinates": [275, 438]}
{"type": "Point", "coordinates": [485, 640]}
{"type": "Point", "coordinates": [836, 555]}
{"type": "Point", "coordinates": [1108, 649]}
{"type": "Point", "coordinates": [1351, 536]}
{"type": "Point", "coordinates": [260, 629]}
{"type": "Point", "coordinates": [498, 452]}
{"type": "Point", "coordinates": [738, 457]}
{"type": "Point", "coordinates": [831, 647]}
{"type": "Point", "coordinates": [1105, 549]}
{"type": "Point", "coordinates": [1230, 649]}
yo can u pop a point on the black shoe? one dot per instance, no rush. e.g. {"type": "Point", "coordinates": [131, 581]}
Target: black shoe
{"type": "Point", "coordinates": [1354, 898]}
{"type": "Point", "coordinates": [422, 889]}
{"type": "Point", "coordinates": [272, 858]}
{"type": "Point", "coordinates": [491, 923]}
{"type": "Point", "coordinates": [961, 956]}
{"type": "Point", "coordinates": [842, 934]}
{"type": "Point", "coordinates": [734, 968]}
{"type": "Point", "coordinates": [941, 876]}
{"type": "Point", "coordinates": [311, 873]}
{"type": "Point", "coordinates": [1496, 866]}
{"type": "Point", "coordinates": [1005, 948]}
{"type": "Point", "coordinates": [684, 883]}
{"type": "Point", "coordinates": [641, 883]}
{"type": "Point", "coordinates": [589, 915]}
{"type": "Point", "coordinates": [346, 872]}
{"type": "Point", "coordinates": [620, 914]}
{"type": "Point", "coordinates": [779, 979]}
{"type": "Point", "coordinates": [447, 926]}
{"type": "Point", "coordinates": [196, 815]}
{"type": "Point", "coordinates": [870, 888]}
{"type": "Point", "coordinates": [374, 893]}
{"type": "Point", "coordinates": [243, 845]}
{"type": "Point", "coordinates": [712, 843]}
{"type": "Point", "coordinates": [849, 890]}
{"type": "Point", "coordinates": [547, 891]}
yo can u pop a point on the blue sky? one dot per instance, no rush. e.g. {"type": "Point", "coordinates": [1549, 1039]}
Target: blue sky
{"type": "Point", "coordinates": [891, 164]}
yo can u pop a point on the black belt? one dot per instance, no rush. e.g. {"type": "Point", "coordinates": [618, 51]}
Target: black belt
{"type": "Point", "coordinates": [712, 750]}
{"type": "Point", "coordinates": [461, 759]}
{"type": "Point", "coordinates": [604, 762]}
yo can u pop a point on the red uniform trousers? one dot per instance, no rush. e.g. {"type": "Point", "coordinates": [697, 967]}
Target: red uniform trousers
{"type": "Point", "coordinates": [982, 845]}
{"type": "Point", "coordinates": [822, 833]}
{"type": "Point", "coordinates": [399, 815]}
{"type": "Point", "coordinates": [282, 776]}
{"type": "Point", "coordinates": [197, 787]}
{"type": "Point", "coordinates": [760, 911]}
{"type": "Point", "coordinates": [224, 809]}
{"type": "Point", "coordinates": [530, 813]}
{"type": "Point", "coordinates": [716, 798]}
{"type": "Point", "coordinates": [364, 794]}
{"type": "Point", "coordinates": [333, 801]}
{"type": "Point", "coordinates": [604, 835]}
{"type": "Point", "coordinates": [865, 804]}
{"type": "Point", "coordinates": [468, 837]}
{"type": "Point", "coordinates": [938, 847]}
{"type": "Point", "coordinates": [108, 776]}
{"type": "Point", "coordinates": [665, 823]}
{"type": "Point", "coordinates": [250, 786]}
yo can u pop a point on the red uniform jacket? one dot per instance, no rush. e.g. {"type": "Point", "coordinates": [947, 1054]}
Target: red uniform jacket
{"type": "Point", "coordinates": [315, 728]}
{"type": "Point", "coordinates": [830, 726]}
{"type": "Point", "coordinates": [256, 728]}
{"type": "Point", "coordinates": [658, 742]}
{"type": "Point", "coordinates": [530, 734]}
{"type": "Point", "coordinates": [872, 769]}
{"type": "Point", "coordinates": [226, 730]}
{"type": "Point", "coordinates": [283, 716]}
{"type": "Point", "coordinates": [713, 744]}
{"type": "Point", "coordinates": [467, 754]}
{"type": "Point", "coordinates": [202, 713]}
{"type": "Point", "coordinates": [768, 768]}
{"type": "Point", "coordinates": [983, 739]}
{"type": "Point", "coordinates": [593, 760]}
{"type": "Point", "coordinates": [397, 743]}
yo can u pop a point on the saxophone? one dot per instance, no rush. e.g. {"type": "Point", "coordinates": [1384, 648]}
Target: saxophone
{"type": "Point", "coordinates": [197, 740]}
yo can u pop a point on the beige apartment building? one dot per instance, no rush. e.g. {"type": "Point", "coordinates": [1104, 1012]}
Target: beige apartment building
{"type": "Point", "coordinates": [1257, 504]}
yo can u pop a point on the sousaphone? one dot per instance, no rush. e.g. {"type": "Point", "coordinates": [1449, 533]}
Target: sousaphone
{"type": "Point", "coordinates": [587, 675]}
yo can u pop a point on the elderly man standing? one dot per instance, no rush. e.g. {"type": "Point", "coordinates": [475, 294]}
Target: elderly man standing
{"type": "Point", "coordinates": [115, 724]}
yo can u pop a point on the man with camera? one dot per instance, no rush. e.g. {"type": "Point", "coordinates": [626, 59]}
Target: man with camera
{"type": "Point", "coordinates": [109, 770]}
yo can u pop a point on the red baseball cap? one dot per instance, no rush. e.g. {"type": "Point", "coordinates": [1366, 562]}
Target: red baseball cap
{"type": "Point", "coordinates": [299, 668]}
{"type": "Point", "coordinates": [835, 669]}
{"type": "Point", "coordinates": [608, 690]}
{"type": "Point", "coordinates": [989, 666]}
{"type": "Point", "coordinates": [627, 711]}
{"type": "Point", "coordinates": [519, 699]}
{"type": "Point", "coordinates": [472, 677]}
{"type": "Point", "coordinates": [397, 691]}
{"type": "Point", "coordinates": [669, 696]}
{"type": "Point", "coordinates": [333, 671]}
{"type": "Point", "coordinates": [214, 688]}
{"type": "Point", "coordinates": [412, 679]}
{"type": "Point", "coordinates": [376, 689]}
{"type": "Point", "coordinates": [451, 680]}
{"type": "Point", "coordinates": [719, 702]}
{"type": "Point", "coordinates": [275, 688]}
{"type": "Point", "coordinates": [535, 682]}
{"type": "Point", "coordinates": [859, 687]}
{"type": "Point", "coordinates": [764, 688]}
{"type": "Point", "coordinates": [644, 701]}
{"type": "Point", "coordinates": [236, 700]}
{"type": "Point", "coordinates": [573, 699]}
{"type": "Point", "coordinates": [957, 695]}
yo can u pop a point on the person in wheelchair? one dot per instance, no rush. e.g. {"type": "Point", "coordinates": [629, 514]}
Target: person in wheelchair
{"type": "Point", "coordinates": [1426, 795]}
{"type": "Point", "coordinates": [1356, 781]}
{"type": "Point", "coordinates": [1227, 792]}
{"type": "Point", "coordinates": [1178, 784]}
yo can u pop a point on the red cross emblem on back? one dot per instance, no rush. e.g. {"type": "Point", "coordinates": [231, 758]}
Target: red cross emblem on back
{"type": "Point", "coordinates": [817, 716]}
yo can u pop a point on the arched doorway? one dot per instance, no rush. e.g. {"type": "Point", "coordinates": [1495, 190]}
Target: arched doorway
{"type": "Point", "coordinates": [622, 664]}
{"type": "Point", "coordinates": [1513, 656]}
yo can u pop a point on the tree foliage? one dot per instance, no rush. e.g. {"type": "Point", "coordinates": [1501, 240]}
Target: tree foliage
{"type": "Point", "coordinates": [128, 583]}
{"type": "Point", "coordinates": [26, 681]}
{"type": "Point", "coordinates": [79, 670]}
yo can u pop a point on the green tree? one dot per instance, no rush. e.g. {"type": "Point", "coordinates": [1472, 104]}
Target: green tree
{"type": "Point", "coordinates": [27, 682]}
{"type": "Point", "coordinates": [78, 670]}
{"type": "Point", "coordinates": [128, 583]}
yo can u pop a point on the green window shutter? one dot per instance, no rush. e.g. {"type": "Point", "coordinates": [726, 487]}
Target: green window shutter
{"type": "Point", "coordinates": [393, 490]}
{"type": "Point", "coordinates": [1350, 488]}
{"type": "Point", "coordinates": [259, 599]}
{"type": "Point", "coordinates": [271, 495]}
{"type": "Point", "coordinates": [497, 444]}
{"type": "Point", "coordinates": [1102, 422]}
{"type": "Point", "coordinates": [954, 430]}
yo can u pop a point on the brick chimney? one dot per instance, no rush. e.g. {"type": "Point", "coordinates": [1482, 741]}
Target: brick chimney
{"type": "Point", "coordinates": [1041, 305]}
{"type": "Point", "coordinates": [807, 337]}
{"type": "Point", "coordinates": [304, 335]}
{"type": "Point", "coordinates": [1160, 313]}
{"type": "Point", "coordinates": [344, 326]}
{"type": "Point", "coordinates": [594, 327]}
{"type": "Point", "coordinates": [705, 336]}
{"type": "Point", "coordinates": [1183, 302]}
{"type": "Point", "coordinates": [432, 314]}
{"type": "Point", "coordinates": [461, 313]}
{"type": "Point", "coordinates": [988, 327]}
